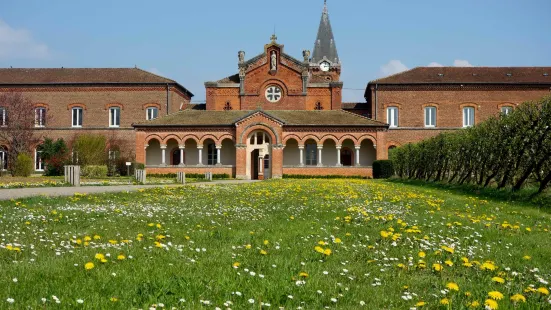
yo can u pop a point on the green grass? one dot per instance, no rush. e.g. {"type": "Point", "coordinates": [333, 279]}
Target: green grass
{"type": "Point", "coordinates": [180, 246]}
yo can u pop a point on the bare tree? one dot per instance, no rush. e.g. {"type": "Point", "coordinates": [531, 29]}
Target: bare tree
{"type": "Point", "coordinates": [17, 125]}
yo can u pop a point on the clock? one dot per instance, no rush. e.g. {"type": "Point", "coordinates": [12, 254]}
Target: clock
{"type": "Point", "coordinates": [324, 66]}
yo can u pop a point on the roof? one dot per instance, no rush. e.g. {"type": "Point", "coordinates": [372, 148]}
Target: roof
{"type": "Point", "coordinates": [325, 45]}
{"type": "Point", "coordinates": [287, 117]}
{"type": "Point", "coordinates": [230, 79]}
{"type": "Point", "coordinates": [53, 76]}
{"type": "Point", "coordinates": [465, 75]}
{"type": "Point", "coordinates": [354, 105]}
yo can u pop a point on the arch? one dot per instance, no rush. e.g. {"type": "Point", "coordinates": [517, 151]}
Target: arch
{"type": "Point", "coordinates": [114, 105]}
{"type": "Point", "coordinates": [474, 105]}
{"type": "Point", "coordinates": [224, 137]}
{"type": "Point", "coordinates": [431, 104]}
{"type": "Point", "coordinates": [206, 137]}
{"type": "Point", "coordinates": [42, 105]}
{"type": "Point", "coordinates": [188, 137]}
{"type": "Point", "coordinates": [392, 144]}
{"type": "Point", "coordinates": [273, 81]}
{"type": "Point", "coordinates": [151, 137]}
{"type": "Point", "coordinates": [392, 104]}
{"type": "Point", "coordinates": [274, 136]}
{"type": "Point", "coordinates": [289, 137]}
{"type": "Point", "coordinates": [151, 105]}
{"type": "Point", "coordinates": [308, 137]}
{"type": "Point", "coordinates": [172, 136]}
{"type": "Point", "coordinates": [345, 137]}
{"type": "Point", "coordinates": [368, 137]}
{"type": "Point", "coordinates": [329, 137]}
{"type": "Point", "coordinates": [76, 105]}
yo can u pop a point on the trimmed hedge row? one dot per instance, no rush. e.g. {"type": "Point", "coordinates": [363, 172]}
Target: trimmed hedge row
{"type": "Point", "coordinates": [504, 151]}
{"type": "Point", "coordinates": [383, 169]}
{"type": "Point", "coordinates": [220, 176]}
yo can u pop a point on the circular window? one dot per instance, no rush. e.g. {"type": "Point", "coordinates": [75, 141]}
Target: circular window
{"type": "Point", "coordinates": [273, 93]}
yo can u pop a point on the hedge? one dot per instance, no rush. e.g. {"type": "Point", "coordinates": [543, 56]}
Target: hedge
{"type": "Point", "coordinates": [383, 169]}
{"type": "Point", "coordinates": [94, 171]}
{"type": "Point", "coordinates": [23, 165]}
{"type": "Point", "coordinates": [220, 176]}
{"type": "Point", "coordinates": [301, 176]}
{"type": "Point", "coordinates": [504, 151]}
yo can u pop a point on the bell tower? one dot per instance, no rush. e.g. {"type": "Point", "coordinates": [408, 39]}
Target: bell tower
{"type": "Point", "coordinates": [325, 61]}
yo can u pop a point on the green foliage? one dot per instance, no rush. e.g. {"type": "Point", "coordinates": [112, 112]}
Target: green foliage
{"type": "Point", "coordinates": [94, 171]}
{"type": "Point", "coordinates": [139, 166]}
{"type": "Point", "coordinates": [383, 169]}
{"type": "Point", "coordinates": [90, 149]}
{"type": "Point", "coordinates": [23, 165]}
{"type": "Point", "coordinates": [304, 176]}
{"type": "Point", "coordinates": [55, 155]}
{"type": "Point", "coordinates": [505, 151]}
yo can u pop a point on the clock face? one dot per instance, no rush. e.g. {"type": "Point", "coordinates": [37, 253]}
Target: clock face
{"type": "Point", "coordinates": [324, 66]}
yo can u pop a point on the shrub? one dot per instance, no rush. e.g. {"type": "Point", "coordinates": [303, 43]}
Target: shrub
{"type": "Point", "coordinates": [383, 169]}
{"type": "Point", "coordinates": [90, 149]}
{"type": "Point", "coordinates": [55, 156]}
{"type": "Point", "coordinates": [94, 171]}
{"type": "Point", "coordinates": [305, 176]}
{"type": "Point", "coordinates": [23, 165]}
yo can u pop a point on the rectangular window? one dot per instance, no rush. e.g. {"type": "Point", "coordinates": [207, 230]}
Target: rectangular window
{"type": "Point", "coordinates": [38, 163]}
{"type": "Point", "coordinates": [392, 116]}
{"type": "Point", "coordinates": [114, 117]}
{"type": "Point", "coordinates": [77, 117]}
{"type": "Point", "coordinates": [3, 117]}
{"type": "Point", "coordinates": [311, 154]}
{"type": "Point", "coordinates": [40, 117]}
{"type": "Point", "coordinates": [430, 117]}
{"type": "Point", "coordinates": [212, 154]}
{"type": "Point", "coordinates": [506, 110]}
{"type": "Point", "coordinates": [151, 113]}
{"type": "Point", "coordinates": [468, 116]}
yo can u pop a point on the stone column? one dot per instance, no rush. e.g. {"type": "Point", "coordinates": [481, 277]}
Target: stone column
{"type": "Point", "coordinates": [301, 149]}
{"type": "Point", "coordinates": [163, 154]}
{"type": "Point", "coordinates": [357, 155]}
{"type": "Point", "coordinates": [182, 147]}
{"type": "Point", "coordinates": [261, 168]}
{"type": "Point", "coordinates": [339, 163]}
{"type": "Point", "coordinates": [200, 149]}
{"type": "Point", "coordinates": [320, 149]}
{"type": "Point", "coordinates": [144, 154]}
{"type": "Point", "coordinates": [218, 158]}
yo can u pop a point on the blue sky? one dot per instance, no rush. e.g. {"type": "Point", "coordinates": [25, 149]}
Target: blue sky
{"type": "Point", "coordinates": [197, 41]}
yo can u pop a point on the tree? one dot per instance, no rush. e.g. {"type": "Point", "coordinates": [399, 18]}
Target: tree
{"type": "Point", "coordinates": [17, 130]}
{"type": "Point", "coordinates": [55, 154]}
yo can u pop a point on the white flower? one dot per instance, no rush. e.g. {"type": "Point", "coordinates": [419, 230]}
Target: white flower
{"type": "Point", "coordinates": [182, 300]}
{"type": "Point", "coordinates": [290, 296]}
{"type": "Point", "coordinates": [362, 303]}
{"type": "Point", "coordinates": [326, 272]}
{"type": "Point", "coordinates": [14, 280]}
{"type": "Point", "coordinates": [10, 300]}
{"type": "Point", "coordinates": [252, 273]}
{"type": "Point", "coordinates": [319, 292]}
{"type": "Point", "coordinates": [334, 299]}
{"type": "Point", "coordinates": [80, 301]}
{"type": "Point", "coordinates": [238, 293]}
{"type": "Point", "coordinates": [251, 301]}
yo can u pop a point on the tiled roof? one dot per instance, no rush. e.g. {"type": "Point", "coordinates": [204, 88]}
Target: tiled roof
{"type": "Point", "coordinates": [287, 117]}
{"type": "Point", "coordinates": [456, 75]}
{"type": "Point", "coordinates": [29, 76]}
{"type": "Point", "coordinates": [230, 79]}
{"type": "Point", "coordinates": [354, 105]}
{"type": "Point", "coordinates": [325, 45]}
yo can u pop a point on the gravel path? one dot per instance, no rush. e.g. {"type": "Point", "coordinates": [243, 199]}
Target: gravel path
{"type": "Point", "coordinates": [16, 193]}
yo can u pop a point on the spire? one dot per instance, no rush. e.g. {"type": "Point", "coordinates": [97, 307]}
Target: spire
{"type": "Point", "coordinates": [325, 42]}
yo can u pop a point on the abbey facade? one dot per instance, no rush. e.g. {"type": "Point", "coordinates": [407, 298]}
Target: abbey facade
{"type": "Point", "coordinates": [277, 115]}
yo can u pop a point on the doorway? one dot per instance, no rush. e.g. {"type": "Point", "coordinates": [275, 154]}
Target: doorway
{"type": "Point", "coordinates": [346, 157]}
{"type": "Point", "coordinates": [254, 164]}
{"type": "Point", "coordinates": [176, 157]}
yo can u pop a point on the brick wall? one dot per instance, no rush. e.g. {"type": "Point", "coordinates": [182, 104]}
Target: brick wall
{"type": "Point", "coordinates": [201, 170]}
{"type": "Point", "coordinates": [344, 171]}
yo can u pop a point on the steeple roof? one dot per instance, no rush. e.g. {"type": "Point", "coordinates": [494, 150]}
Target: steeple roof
{"type": "Point", "coordinates": [325, 45]}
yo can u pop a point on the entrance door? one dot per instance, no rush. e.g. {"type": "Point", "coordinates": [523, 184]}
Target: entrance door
{"type": "Point", "coordinates": [254, 164]}
{"type": "Point", "coordinates": [346, 157]}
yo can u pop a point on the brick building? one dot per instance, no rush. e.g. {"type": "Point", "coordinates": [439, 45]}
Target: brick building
{"type": "Point", "coordinates": [70, 102]}
{"type": "Point", "coordinates": [278, 115]}
{"type": "Point", "coordinates": [424, 101]}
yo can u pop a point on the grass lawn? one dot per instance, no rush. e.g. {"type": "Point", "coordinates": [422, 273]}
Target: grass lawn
{"type": "Point", "coordinates": [314, 244]}
{"type": "Point", "coordinates": [58, 181]}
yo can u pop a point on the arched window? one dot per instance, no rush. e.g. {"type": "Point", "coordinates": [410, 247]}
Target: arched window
{"type": "Point", "coordinates": [392, 116]}
{"type": "Point", "coordinates": [212, 154]}
{"type": "Point", "coordinates": [468, 116]}
{"type": "Point", "coordinates": [430, 116]}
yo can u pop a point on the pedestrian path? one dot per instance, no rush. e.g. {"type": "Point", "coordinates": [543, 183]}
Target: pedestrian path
{"type": "Point", "coordinates": [17, 193]}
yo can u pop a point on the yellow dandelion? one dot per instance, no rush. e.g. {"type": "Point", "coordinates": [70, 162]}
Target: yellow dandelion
{"type": "Point", "coordinates": [437, 267]}
{"type": "Point", "coordinates": [338, 240]}
{"type": "Point", "coordinates": [303, 274]}
{"type": "Point", "coordinates": [420, 304]}
{"type": "Point", "coordinates": [422, 254]}
{"type": "Point", "coordinates": [248, 246]}
{"type": "Point", "coordinates": [444, 301]}
{"type": "Point", "coordinates": [474, 304]}
{"type": "Point", "coordinates": [318, 249]}
{"type": "Point", "coordinates": [385, 234]}
{"type": "Point", "coordinates": [542, 290]}
{"type": "Point", "coordinates": [449, 263]}
{"type": "Point", "coordinates": [498, 280]}
{"type": "Point", "coordinates": [263, 252]}
{"type": "Point", "coordinates": [488, 266]}
{"type": "Point", "coordinates": [236, 264]}
{"type": "Point", "coordinates": [89, 266]}
{"type": "Point", "coordinates": [97, 237]}
{"type": "Point", "coordinates": [452, 286]}
{"type": "Point", "coordinates": [447, 249]}
{"type": "Point", "coordinates": [121, 257]}
{"type": "Point", "coordinates": [99, 256]}
{"type": "Point", "coordinates": [114, 299]}
{"type": "Point", "coordinates": [526, 257]}
{"type": "Point", "coordinates": [490, 304]}
{"type": "Point", "coordinates": [518, 298]}
{"type": "Point", "coordinates": [327, 252]}
{"type": "Point", "coordinates": [266, 242]}
{"type": "Point", "coordinates": [495, 295]}
{"type": "Point", "coordinates": [321, 242]}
